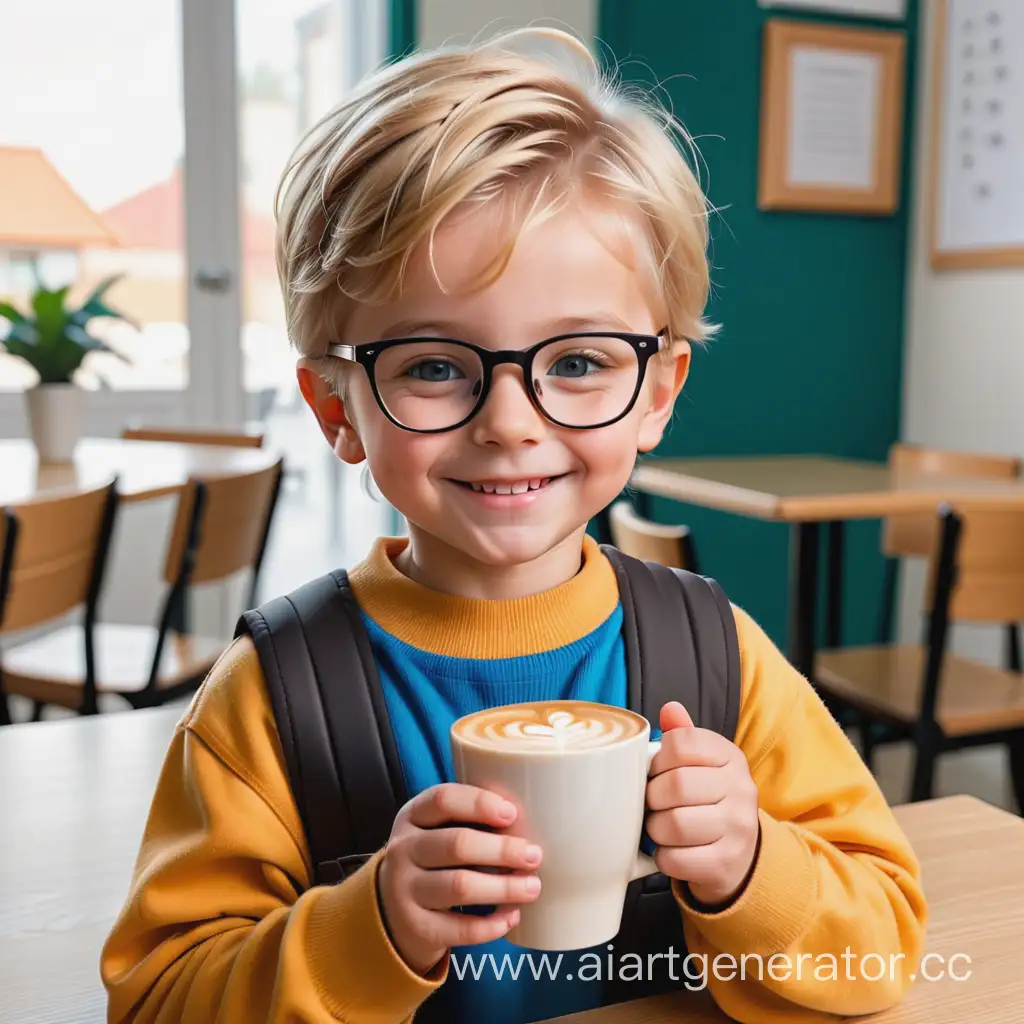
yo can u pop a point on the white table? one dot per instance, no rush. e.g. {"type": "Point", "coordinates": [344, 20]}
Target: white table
{"type": "Point", "coordinates": [74, 795]}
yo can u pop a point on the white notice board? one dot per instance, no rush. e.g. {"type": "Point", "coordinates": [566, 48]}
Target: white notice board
{"type": "Point", "coordinates": [895, 9]}
{"type": "Point", "coordinates": [978, 134]}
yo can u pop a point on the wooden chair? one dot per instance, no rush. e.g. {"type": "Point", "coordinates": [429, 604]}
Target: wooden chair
{"type": "Point", "coordinates": [54, 557]}
{"type": "Point", "coordinates": [8, 532]}
{"type": "Point", "coordinates": [940, 700]}
{"type": "Point", "coordinates": [220, 529]}
{"type": "Point", "coordinates": [916, 536]}
{"type": "Point", "coordinates": [190, 435]}
{"type": "Point", "coordinates": [653, 542]}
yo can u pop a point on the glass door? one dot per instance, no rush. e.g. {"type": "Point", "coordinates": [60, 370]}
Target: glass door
{"type": "Point", "coordinates": [117, 158]}
{"type": "Point", "coordinates": [296, 59]}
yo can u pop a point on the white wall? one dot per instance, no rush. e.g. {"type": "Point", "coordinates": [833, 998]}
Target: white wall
{"type": "Point", "coordinates": [963, 368]}
{"type": "Point", "coordinates": [455, 21]}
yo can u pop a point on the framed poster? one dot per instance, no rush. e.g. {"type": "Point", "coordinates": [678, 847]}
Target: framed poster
{"type": "Point", "coordinates": [895, 10]}
{"type": "Point", "coordinates": [977, 123]}
{"type": "Point", "coordinates": [831, 118]}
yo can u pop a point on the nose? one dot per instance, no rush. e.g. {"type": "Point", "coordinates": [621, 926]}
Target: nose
{"type": "Point", "coordinates": [508, 417]}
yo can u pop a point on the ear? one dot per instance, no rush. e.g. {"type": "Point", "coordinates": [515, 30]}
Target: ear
{"type": "Point", "coordinates": [668, 380]}
{"type": "Point", "coordinates": [330, 413]}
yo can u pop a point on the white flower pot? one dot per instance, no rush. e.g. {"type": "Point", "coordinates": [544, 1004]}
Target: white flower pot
{"type": "Point", "coordinates": [56, 414]}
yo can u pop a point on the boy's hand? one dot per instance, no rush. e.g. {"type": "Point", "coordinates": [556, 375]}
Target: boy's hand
{"type": "Point", "coordinates": [428, 865]}
{"type": "Point", "coordinates": [703, 806]}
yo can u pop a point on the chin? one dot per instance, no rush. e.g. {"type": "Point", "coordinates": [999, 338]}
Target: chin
{"type": "Point", "coordinates": [510, 547]}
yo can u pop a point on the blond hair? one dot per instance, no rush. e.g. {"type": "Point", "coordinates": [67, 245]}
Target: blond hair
{"type": "Point", "coordinates": [526, 119]}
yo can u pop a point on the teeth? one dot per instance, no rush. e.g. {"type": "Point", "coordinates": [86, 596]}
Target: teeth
{"type": "Point", "coordinates": [519, 487]}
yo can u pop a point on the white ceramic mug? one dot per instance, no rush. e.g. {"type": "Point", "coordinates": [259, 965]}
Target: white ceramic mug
{"type": "Point", "coordinates": [582, 804]}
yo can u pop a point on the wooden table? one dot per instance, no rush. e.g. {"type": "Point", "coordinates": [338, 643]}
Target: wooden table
{"type": "Point", "coordinates": [74, 795]}
{"type": "Point", "coordinates": [145, 469]}
{"type": "Point", "coordinates": [971, 859]}
{"type": "Point", "coordinates": [806, 492]}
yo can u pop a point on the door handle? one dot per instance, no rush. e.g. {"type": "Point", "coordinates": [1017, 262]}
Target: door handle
{"type": "Point", "coordinates": [213, 279]}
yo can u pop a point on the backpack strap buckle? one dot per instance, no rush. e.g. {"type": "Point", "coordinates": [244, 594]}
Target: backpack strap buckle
{"type": "Point", "coordinates": [331, 872]}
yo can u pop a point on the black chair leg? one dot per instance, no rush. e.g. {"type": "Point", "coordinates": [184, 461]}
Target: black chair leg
{"type": "Point", "coordinates": [1015, 748]}
{"type": "Point", "coordinates": [925, 753]}
{"type": "Point", "coordinates": [867, 744]}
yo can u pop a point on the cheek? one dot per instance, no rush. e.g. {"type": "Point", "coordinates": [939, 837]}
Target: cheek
{"type": "Point", "coordinates": [610, 451]}
{"type": "Point", "coordinates": [399, 461]}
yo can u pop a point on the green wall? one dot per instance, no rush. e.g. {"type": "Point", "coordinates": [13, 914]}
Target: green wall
{"type": "Point", "coordinates": [811, 306]}
{"type": "Point", "coordinates": [401, 27]}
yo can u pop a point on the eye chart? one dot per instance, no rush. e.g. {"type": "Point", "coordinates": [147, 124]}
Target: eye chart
{"type": "Point", "coordinates": [979, 134]}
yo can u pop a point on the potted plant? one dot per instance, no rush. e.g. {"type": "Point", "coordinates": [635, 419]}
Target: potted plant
{"type": "Point", "coordinates": [52, 338]}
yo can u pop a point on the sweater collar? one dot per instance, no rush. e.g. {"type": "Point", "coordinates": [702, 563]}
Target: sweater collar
{"type": "Point", "coordinates": [471, 627]}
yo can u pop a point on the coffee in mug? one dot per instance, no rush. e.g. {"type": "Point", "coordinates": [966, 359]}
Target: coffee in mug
{"type": "Point", "coordinates": [577, 774]}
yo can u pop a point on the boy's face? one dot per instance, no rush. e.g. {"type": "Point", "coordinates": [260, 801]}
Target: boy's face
{"type": "Point", "coordinates": [560, 278]}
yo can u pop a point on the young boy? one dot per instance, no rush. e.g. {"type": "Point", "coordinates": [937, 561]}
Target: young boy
{"type": "Point", "coordinates": [462, 204]}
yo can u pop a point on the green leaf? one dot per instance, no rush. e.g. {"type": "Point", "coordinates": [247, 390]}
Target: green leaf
{"type": "Point", "coordinates": [94, 306]}
{"type": "Point", "coordinates": [8, 312]}
{"type": "Point", "coordinates": [101, 289]}
{"type": "Point", "coordinates": [41, 360]}
{"type": "Point", "coordinates": [91, 344]}
{"type": "Point", "coordinates": [24, 331]}
{"type": "Point", "coordinates": [22, 350]}
{"type": "Point", "coordinates": [51, 316]}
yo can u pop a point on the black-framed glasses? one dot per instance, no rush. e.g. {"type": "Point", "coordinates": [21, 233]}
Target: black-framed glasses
{"type": "Point", "coordinates": [581, 381]}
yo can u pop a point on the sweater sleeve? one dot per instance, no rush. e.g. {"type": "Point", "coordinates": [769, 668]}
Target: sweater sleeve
{"type": "Point", "coordinates": [220, 924]}
{"type": "Point", "coordinates": [833, 918]}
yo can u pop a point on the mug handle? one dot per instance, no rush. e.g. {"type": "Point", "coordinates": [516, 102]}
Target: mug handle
{"type": "Point", "coordinates": [644, 864]}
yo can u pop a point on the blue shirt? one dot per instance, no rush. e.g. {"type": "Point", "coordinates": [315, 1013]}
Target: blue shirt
{"type": "Point", "coordinates": [425, 693]}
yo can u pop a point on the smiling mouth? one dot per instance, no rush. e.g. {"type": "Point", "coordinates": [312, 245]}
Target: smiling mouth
{"type": "Point", "coordinates": [508, 486]}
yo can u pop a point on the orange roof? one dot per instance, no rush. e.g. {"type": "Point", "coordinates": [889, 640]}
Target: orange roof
{"type": "Point", "coordinates": [153, 219]}
{"type": "Point", "coordinates": [39, 209]}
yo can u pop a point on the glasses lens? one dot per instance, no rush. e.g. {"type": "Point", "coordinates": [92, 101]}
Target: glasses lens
{"type": "Point", "coordinates": [582, 382]}
{"type": "Point", "coordinates": [428, 385]}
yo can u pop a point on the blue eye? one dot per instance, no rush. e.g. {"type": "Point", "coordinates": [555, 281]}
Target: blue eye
{"type": "Point", "coordinates": [577, 365]}
{"type": "Point", "coordinates": [436, 371]}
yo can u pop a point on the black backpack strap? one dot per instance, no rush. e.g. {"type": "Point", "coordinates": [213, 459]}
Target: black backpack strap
{"type": "Point", "coordinates": [331, 716]}
{"type": "Point", "coordinates": [681, 643]}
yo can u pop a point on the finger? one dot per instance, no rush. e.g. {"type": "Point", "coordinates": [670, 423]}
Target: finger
{"type": "Point", "coordinates": [674, 716]}
{"type": "Point", "coordinates": [441, 890]}
{"type": "Point", "coordinates": [452, 929]}
{"type": "Point", "coordinates": [682, 747]}
{"type": "Point", "coordinates": [451, 847]}
{"type": "Point", "coordinates": [453, 801]}
{"type": "Point", "coordinates": [691, 786]}
{"type": "Point", "coordinates": [698, 865]}
{"type": "Point", "coordinates": [687, 826]}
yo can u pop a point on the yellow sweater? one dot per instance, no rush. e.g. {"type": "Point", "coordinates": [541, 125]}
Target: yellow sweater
{"type": "Point", "coordinates": [221, 927]}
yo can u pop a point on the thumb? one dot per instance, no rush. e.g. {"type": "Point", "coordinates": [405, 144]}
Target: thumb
{"type": "Point", "coordinates": [675, 716]}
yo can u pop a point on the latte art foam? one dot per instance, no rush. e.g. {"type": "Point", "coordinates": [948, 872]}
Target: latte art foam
{"type": "Point", "coordinates": [549, 726]}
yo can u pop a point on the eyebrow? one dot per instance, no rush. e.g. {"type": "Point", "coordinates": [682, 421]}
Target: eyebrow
{"type": "Point", "coordinates": [551, 328]}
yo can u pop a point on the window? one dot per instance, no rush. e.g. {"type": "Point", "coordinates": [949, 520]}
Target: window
{"type": "Point", "coordinates": [90, 153]}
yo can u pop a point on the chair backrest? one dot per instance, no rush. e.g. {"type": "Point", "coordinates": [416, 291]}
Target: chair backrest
{"type": "Point", "coordinates": [906, 536]}
{"type": "Point", "coordinates": [988, 583]}
{"type": "Point", "coordinates": [653, 542]}
{"type": "Point", "coordinates": [8, 531]}
{"type": "Point", "coordinates": [231, 516]}
{"type": "Point", "coordinates": [195, 435]}
{"type": "Point", "coordinates": [59, 550]}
